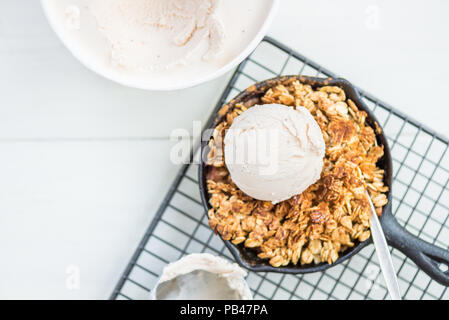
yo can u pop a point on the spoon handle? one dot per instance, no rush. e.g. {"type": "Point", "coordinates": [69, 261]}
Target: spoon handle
{"type": "Point", "coordinates": [383, 254]}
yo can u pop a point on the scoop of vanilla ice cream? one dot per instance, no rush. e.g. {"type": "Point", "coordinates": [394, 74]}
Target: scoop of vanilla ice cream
{"type": "Point", "coordinates": [274, 152]}
{"type": "Point", "coordinates": [159, 34]}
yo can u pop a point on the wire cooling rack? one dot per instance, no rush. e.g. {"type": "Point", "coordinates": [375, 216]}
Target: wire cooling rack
{"type": "Point", "coordinates": [420, 203]}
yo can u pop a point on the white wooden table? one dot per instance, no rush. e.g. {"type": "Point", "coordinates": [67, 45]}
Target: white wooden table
{"type": "Point", "coordinates": [84, 162]}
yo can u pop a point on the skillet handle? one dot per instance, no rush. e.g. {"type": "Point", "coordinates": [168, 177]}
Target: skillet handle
{"type": "Point", "coordinates": [426, 256]}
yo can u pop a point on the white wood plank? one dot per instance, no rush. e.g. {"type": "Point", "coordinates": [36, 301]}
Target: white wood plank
{"type": "Point", "coordinates": [396, 51]}
{"type": "Point", "coordinates": [85, 204]}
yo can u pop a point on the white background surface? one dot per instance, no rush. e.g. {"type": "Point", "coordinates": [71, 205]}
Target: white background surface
{"type": "Point", "coordinates": [84, 162]}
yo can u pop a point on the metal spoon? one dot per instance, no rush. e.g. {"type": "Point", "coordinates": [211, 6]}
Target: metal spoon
{"type": "Point", "coordinates": [383, 254]}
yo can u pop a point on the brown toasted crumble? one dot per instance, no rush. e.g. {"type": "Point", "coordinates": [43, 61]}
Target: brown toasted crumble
{"type": "Point", "coordinates": [332, 214]}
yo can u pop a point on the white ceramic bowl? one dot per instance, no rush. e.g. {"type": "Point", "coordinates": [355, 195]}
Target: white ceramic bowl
{"type": "Point", "coordinates": [90, 48]}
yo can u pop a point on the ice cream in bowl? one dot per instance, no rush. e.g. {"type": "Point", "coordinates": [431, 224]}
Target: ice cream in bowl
{"type": "Point", "coordinates": [160, 44]}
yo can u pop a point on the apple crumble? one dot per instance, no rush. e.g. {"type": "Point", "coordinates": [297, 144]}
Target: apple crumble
{"type": "Point", "coordinates": [332, 215]}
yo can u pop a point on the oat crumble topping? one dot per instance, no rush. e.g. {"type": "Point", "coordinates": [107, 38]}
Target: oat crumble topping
{"type": "Point", "coordinates": [332, 215]}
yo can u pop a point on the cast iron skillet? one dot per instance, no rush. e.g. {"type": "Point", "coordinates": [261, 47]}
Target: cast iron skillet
{"type": "Point", "coordinates": [427, 256]}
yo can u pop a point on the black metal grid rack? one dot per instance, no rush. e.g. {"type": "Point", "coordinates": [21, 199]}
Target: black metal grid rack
{"type": "Point", "coordinates": [420, 202]}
